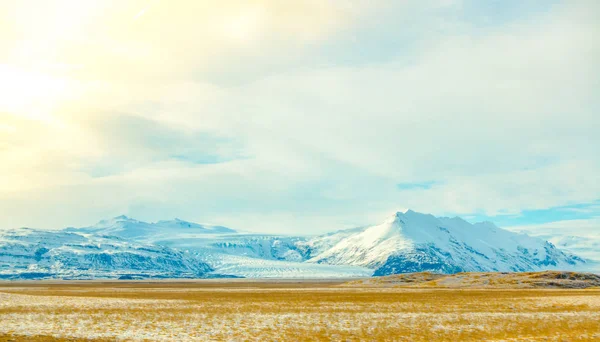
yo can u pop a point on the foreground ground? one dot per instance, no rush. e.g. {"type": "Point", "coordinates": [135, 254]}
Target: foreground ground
{"type": "Point", "coordinates": [306, 311]}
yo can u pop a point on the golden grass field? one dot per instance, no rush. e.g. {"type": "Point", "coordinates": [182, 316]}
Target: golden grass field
{"type": "Point", "coordinates": [302, 311]}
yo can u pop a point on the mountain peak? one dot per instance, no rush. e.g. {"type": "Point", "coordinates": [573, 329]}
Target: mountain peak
{"type": "Point", "coordinates": [178, 222]}
{"type": "Point", "coordinates": [117, 220]}
{"type": "Point", "coordinates": [397, 216]}
{"type": "Point", "coordinates": [408, 215]}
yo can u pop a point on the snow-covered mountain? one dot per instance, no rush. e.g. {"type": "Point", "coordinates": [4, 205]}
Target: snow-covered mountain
{"type": "Point", "coordinates": [33, 254]}
{"type": "Point", "coordinates": [226, 251]}
{"type": "Point", "coordinates": [578, 236]}
{"type": "Point", "coordinates": [415, 242]}
{"type": "Point", "coordinates": [406, 242]}
{"type": "Point", "coordinates": [129, 228]}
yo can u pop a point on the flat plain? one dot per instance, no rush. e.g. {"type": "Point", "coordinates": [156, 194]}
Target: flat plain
{"type": "Point", "coordinates": [291, 311]}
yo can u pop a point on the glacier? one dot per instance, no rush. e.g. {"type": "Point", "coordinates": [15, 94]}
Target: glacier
{"type": "Point", "coordinates": [227, 251]}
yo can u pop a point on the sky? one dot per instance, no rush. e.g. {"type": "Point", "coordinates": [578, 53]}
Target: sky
{"type": "Point", "coordinates": [300, 116]}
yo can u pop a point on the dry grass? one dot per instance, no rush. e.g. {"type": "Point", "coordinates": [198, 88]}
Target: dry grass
{"type": "Point", "coordinates": [40, 338]}
{"type": "Point", "coordinates": [300, 312]}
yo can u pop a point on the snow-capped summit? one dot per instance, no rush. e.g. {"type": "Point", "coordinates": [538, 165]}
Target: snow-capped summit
{"type": "Point", "coordinates": [369, 247]}
{"type": "Point", "coordinates": [414, 242]}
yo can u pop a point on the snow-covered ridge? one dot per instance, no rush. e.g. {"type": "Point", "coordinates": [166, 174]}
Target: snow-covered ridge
{"type": "Point", "coordinates": [33, 254]}
{"type": "Point", "coordinates": [126, 227]}
{"type": "Point", "coordinates": [586, 247]}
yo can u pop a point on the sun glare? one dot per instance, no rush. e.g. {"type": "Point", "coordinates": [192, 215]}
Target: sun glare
{"type": "Point", "coordinates": [28, 93]}
{"type": "Point", "coordinates": [243, 26]}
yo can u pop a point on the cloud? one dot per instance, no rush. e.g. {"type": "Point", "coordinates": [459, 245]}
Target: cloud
{"type": "Point", "coordinates": [174, 40]}
{"type": "Point", "coordinates": [307, 116]}
{"type": "Point", "coordinates": [581, 227]}
{"type": "Point", "coordinates": [128, 141]}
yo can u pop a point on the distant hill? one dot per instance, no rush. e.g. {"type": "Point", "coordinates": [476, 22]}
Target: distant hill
{"type": "Point", "coordinates": [501, 280]}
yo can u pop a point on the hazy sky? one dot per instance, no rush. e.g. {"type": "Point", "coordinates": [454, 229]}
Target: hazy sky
{"type": "Point", "coordinates": [299, 116]}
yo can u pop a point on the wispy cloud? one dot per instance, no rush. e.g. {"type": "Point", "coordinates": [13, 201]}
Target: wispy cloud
{"type": "Point", "coordinates": [416, 185]}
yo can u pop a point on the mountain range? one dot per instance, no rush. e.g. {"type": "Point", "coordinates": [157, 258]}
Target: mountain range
{"type": "Point", "coordinates": [34, 254]}
{"type": "Point", "coordinates": [126, 248]}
